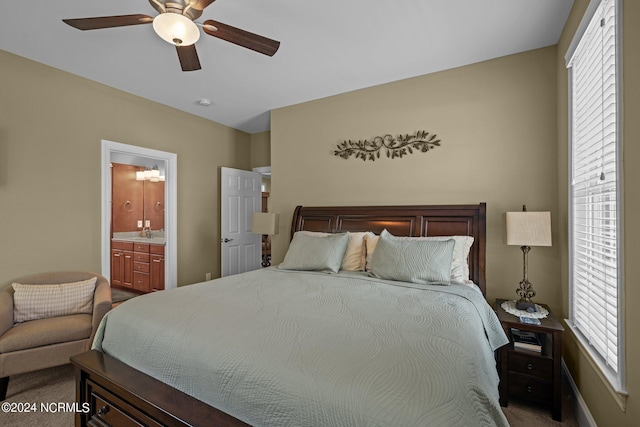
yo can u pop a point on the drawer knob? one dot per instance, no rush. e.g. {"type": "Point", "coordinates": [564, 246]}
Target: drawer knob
{"type": "Point", "coordinates": [529, 389]}
{"type": "Point", "coordinates": [103, 410]}
{"type": "Point", "coordinates": [529, 366]}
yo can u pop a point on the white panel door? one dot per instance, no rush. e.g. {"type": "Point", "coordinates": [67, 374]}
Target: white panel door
{"type": "Point", "coordinates": [241, 196]}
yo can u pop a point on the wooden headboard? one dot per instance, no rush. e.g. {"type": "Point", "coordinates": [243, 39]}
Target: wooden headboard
{"type": "Point", "coordinates": [414, 221]}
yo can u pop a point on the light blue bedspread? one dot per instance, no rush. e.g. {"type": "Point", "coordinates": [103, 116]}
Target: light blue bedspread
{"type": "Point", "coordinates": [279, 348]}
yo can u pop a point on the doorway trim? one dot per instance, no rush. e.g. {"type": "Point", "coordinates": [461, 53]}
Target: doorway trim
{"type": "Point", "coordinates": [170, 161]}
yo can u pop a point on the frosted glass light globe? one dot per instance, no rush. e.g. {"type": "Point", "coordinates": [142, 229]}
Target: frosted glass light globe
{"type": "Point", "coordinates": [176, 29]}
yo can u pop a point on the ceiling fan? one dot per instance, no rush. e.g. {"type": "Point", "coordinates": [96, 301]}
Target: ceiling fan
{"type": "Point", "coordinates": [175, 24]}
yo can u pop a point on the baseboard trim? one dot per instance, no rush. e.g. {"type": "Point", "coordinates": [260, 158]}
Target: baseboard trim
{"type": "Point", "coordinates": [579, 406]}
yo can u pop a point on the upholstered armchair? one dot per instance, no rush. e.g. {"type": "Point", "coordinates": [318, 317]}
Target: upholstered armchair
{"type": "Point", "coordinates": [33, 333]}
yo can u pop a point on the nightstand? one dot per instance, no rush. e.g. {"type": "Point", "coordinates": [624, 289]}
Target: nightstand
{"type": "Point", "coordinates": [530, 375]}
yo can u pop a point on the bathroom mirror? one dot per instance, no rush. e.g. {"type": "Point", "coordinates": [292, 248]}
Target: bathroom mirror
{"type": "Point", "coordinates": [137, 198]}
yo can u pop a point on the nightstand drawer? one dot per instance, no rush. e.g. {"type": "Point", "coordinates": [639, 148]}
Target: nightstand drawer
{"type": "Point", "coordinates": [533, 365]}
{"type": "Point", "coordinates": [531, 388]}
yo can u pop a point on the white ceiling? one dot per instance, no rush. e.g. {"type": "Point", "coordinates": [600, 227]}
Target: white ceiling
{"type": "Point", "coordinates": [327, 47]}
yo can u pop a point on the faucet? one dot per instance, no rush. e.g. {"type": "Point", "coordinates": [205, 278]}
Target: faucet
{"type": "Point", "coordinates": [147, 232]}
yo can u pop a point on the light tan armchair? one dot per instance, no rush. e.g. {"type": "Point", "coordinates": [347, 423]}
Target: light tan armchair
{"type": "Point", "coordinates": [44, 343]}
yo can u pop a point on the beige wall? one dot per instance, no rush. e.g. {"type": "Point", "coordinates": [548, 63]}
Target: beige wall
{"type": "Point", "coordinates": [497, 122]}
{"type": "Point", "coordinates": [261, 154]}
{"type": "Point", "coordinates": [51, 125]}
{"type": "Point", "coordinates": [260, 149]}
{"type": "Point", "coordinates": [602, 405]}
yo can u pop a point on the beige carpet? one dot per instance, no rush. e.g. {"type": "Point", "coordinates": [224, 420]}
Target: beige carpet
{"type": "Point", "coordinates": [120, 295]}
{"type": "Point", "coordinates": [55, 385]}
{"type": "Point", "coordinates": [523, 414]}
{"type": "Point", "coordinates": [47, 386]}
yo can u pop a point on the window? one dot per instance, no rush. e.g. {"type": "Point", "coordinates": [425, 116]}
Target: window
{"type": "Point", "coordinates": [594, 198]}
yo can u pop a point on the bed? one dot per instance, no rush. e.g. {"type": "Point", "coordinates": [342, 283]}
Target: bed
{"type": "Point", "coordinates": [279, 347]}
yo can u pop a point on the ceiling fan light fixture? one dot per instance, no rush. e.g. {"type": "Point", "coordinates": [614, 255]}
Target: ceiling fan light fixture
{"type": "Point", "coordinates": [176, 29]}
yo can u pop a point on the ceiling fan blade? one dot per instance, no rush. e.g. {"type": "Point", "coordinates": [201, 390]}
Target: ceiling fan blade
{"type": "Point", "coordinates": [188, 57]}
{"type": "Point", "coordinates": [240, 37]}
{"type": "Point", "coordinates": [108, 21]}
{"type": "Point", "coordinates": [200, 4]}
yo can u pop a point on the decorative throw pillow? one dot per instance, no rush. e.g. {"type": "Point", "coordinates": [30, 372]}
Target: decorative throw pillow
{"type": "Point", "coordinates": [31, 302]}
{"type": "Point", "coordinates": [412, 260]}
{"type": "Point", "coordinates": [354, 257]}
{"type": "Point", "coordinates": [459, 264]}
{"type": "Point", "coordinates": [315, 253]}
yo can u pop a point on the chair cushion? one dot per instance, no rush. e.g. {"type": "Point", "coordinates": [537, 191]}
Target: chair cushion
{"type": "Point", "coordinates": [37, 333]}
{"type": "Point", "coordinates": [31, 302]}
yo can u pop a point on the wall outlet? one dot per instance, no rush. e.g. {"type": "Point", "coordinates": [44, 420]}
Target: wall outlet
{"type": "Point", "coordinates": [147, 223]}
{"type": "Point", "coordinates": [207, 276]}
{"type": "Point", "coordinates": [140, 224]}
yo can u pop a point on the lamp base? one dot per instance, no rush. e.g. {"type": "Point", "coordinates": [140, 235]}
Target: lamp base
{"type": "Point", "coordinates": [526, 306]}
{"type": "Point", "coordinates": [266, 261]}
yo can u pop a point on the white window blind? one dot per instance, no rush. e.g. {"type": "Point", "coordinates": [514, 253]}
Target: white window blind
{"type": "Point", "coordinates": [594, 197]}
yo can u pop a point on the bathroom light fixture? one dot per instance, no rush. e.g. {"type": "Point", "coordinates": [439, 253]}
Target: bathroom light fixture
{"type": "Point", "coordinates": [176, 29]}
{"type": "Point", "coordinates": [150, 174]}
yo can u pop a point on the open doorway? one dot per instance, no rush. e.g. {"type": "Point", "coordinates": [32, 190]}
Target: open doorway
{"type": "Point", "coordinates": [129, 154]}
{"type": "Point", "coordinates": [265, 172]}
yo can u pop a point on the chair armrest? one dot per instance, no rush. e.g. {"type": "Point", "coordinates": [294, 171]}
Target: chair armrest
{"type": "Point", "coordinates": [6, 310]}
{"type": "Point", "coordinates": [101, 304]}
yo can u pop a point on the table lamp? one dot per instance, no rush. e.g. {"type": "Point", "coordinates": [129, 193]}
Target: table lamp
{"type": "Point", "coordinates": [265, 223]}
{"type": "Point", "coordinates": [526, 229]}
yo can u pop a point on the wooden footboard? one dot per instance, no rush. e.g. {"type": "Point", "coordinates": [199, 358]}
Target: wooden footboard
{"type": "Point", "coordinates": [114, 394]}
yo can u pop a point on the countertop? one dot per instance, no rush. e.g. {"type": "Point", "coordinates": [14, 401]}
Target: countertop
{"type": "Point", "coordinates": [157, 237]}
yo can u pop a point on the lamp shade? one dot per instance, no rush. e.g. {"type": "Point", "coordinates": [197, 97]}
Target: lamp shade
{"type": "Point", "coordinates": [265, 223]}
{"type": "Point", "coordinates": [529, 228]}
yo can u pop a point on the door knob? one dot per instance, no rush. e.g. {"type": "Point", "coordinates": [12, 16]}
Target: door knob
{"type": "Point", "coordinates": [225, 240]}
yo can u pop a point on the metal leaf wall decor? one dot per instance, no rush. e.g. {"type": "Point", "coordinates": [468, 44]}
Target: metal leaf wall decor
{"type": "Point", "coordinates": [421, 141]}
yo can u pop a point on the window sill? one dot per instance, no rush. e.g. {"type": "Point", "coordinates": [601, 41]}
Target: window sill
{"type": "Point", "coordinates": [612, 383]}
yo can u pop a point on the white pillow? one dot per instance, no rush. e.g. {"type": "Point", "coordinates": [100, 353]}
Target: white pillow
{"type": "Point", "coordinates": [459, 265]}
{"type": "Point", "coordinates": [355, 255]}
{"type": "Point", "coordinates": [31, 302]}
